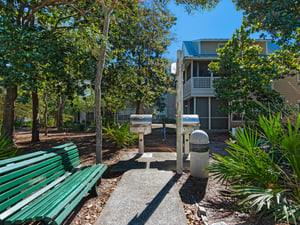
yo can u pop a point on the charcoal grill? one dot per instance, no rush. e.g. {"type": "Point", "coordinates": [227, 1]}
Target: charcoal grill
{"type": "Point", "coordinates": [189, 124]}
{"type": "Point", "coordinates": [141, 124]}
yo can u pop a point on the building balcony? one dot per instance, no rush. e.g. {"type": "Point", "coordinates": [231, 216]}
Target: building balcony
{"type": "Point", "coordinates": [199, 86]}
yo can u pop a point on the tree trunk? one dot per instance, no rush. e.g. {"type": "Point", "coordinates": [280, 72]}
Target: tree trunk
{"type": "Point", "coordinates": [45, 113]}
{"type": "Point", "coordinates": [9, 112]}
{"type": "Point", "coordinates": [59, 114]}
{"type": "Point", "coordinates": [98, 79]}
{"type": "Point", "coordinates": [35, 118]}
{"type": "Point", "coordinates": [138, 107]}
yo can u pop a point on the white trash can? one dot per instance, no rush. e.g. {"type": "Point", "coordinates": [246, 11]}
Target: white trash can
{"type": "Point", "coordinates": [199, 153]}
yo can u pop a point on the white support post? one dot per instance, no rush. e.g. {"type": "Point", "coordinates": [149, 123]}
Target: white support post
{"type": "Point", "coordinates": [192, 73]}
{"type": "Point", "coordinates": [195, 105]}
{"type": "Point", "coordinates": [179, 110]}
{"type": "Point", "coordinates": [209, 113]}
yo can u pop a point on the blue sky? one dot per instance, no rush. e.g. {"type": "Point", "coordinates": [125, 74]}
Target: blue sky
{"type": "Point", "coordinates": [220, 22]}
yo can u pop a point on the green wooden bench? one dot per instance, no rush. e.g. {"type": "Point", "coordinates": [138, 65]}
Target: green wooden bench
{"type": "Point", "coordinates": [45, 185]}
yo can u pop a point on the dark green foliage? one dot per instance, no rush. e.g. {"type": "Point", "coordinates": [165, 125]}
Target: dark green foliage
{"type": "Point", "coordinates": [268, 183]}
{"type": "Point", "coordinates": [278, 18]}
{"type": "Point", "coordinates": [18, 124]}
{"type": "Point", "coordinates": [120, 134]}
{"type": "Point", "coordinates": [77, 126]}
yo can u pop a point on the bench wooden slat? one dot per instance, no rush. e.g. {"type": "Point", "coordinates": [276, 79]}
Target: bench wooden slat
{"type": "Point", "coordinates": [54, 201]}
{"type": "Point", "coordinates": [34, 154]}
{"type": "Point", "coordinates": [19, 165]}
{"type": "Point", "coordinates": [68, 209]}
{"type": "Point", "coordinates": [13, 174]}
{"type": "Point", "coordinates": [39, 169]}
{"type": "Point", "coordinates": [12, 191]}
{"type": "Point", "coordinates": [69, 158]}
{"type": "Point", "coordinates": [32, 210]}
{"type": "Point", "coordinates": [64, 199]}
{"type": "Point", "coordinates": [23, 194]}
{"type": "Point", "coordinates": [24, 202]}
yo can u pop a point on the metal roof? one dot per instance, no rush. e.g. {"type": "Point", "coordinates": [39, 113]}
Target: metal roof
{"type": "Point", "coordinates": [192, 47]}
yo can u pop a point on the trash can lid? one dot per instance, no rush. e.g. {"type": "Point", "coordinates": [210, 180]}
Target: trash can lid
{"type": "Point", "coordinates": [199, 137]}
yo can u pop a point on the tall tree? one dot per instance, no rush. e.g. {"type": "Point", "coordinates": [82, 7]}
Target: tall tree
{"type": "Point", "coordinates": [30, 47]}
{"type": "Point", "coordinates": [138, 72]}
{"type": "Point", "coordinates": [246, 75]}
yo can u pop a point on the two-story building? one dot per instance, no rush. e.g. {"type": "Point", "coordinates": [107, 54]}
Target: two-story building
{"type": "Point", "coordinates": [198, 91]}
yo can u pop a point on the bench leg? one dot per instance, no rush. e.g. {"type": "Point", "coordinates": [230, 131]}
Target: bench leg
{"type": "Point", "coordinates": [94, 190]}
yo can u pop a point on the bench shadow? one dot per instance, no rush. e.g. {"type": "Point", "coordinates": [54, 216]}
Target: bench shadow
{"type": "Point", "coordinates": [153, 205]}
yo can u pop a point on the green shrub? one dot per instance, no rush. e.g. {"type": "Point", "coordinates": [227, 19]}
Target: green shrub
{"type": "Point", "coordinates": [120, 134]}
{"type": "Point", "coordinates": [28, 123]}
{"type": "Point", "coordinates": [18, 124]}
{"type": "Point", "coordinates": [74, 125]}
{"type": "Point", "coordinates": [264, 167]}
{"type": "Point", "coordinates": [7, 149]}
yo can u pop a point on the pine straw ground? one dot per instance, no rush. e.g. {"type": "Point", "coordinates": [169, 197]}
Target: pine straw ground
{"type": "Point", "coordinates": [210, 194]}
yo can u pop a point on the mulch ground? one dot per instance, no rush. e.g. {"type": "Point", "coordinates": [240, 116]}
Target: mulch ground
{"type": "Point", "coordinates": [213, 196]}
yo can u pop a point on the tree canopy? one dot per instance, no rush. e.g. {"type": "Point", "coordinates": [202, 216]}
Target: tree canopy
{"type": "Point", "coordinates": [280, 19]}
{"type": "Point", "coordinates": [246, 73]}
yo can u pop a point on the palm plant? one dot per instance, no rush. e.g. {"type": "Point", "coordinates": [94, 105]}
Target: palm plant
{"type": "Point", "coordinates": [264, 167]}
{"type": "Point", "coordinates": [270, 201]}
{"type": "Point", "coordinates": [290, 147]}
{"type": "Point", "coordinates": [120, 134]}
{"type": "Point", "coordinates": [7, 148]}
{"type": "Point", "coordinates": [247, 163]}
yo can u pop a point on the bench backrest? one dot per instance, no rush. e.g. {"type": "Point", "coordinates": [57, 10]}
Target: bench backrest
{"type": "Point", "coordinates": [23, 175]}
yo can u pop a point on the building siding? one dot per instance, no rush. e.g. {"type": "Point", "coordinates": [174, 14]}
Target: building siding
{"type": "Point", "coordinates": [209, 48]}
{"type": "Point", "coordinates": [289, 88]}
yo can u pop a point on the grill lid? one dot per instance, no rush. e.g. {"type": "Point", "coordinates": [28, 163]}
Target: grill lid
{"type": "Point", "coordinates": [140, 120]}
{"type": "Point", "coordinates": [190, 120]}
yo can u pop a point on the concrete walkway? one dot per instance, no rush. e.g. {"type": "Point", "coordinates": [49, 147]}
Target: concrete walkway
{"type": "Point", "coordinates": [144, 196]}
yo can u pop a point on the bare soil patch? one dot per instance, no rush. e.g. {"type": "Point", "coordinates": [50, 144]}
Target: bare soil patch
{"type": "Point", "coordinates": [219, 205]}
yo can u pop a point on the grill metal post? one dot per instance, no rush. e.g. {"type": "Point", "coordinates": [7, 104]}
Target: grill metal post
{"type": "Point", "coordinates": [186, 143]}
{"type": "Point", "coordinates": [141, 143]}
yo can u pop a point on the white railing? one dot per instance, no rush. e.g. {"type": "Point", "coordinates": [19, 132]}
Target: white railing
{"type": "Point", "coordinates": [203, 82]}
{"type": "Point", "coordinates": [198, 86]}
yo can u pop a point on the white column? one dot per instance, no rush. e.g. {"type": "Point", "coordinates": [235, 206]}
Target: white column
{"type": "Point", "coordinates": [192, 72]}
{"type": "Point", "coordinates": [195, 105]}
{"type": "Point", "coordinates": [209, 113]}
{"type": "Point", "coordinates": [179, 109]}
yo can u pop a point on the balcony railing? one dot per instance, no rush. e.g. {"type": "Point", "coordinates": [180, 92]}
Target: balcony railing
{"type": "Point", "coordinates": [203, 82]}
{"type": "Point", "coordinates": [198, 86]}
